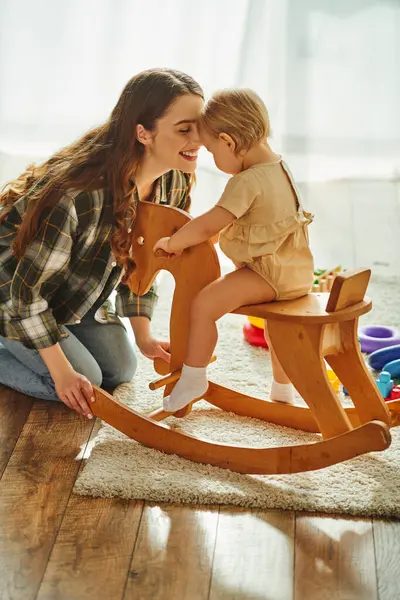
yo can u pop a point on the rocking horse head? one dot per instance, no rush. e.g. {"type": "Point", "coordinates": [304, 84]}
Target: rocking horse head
{"type": "Point", "coordinates": [192, 270]}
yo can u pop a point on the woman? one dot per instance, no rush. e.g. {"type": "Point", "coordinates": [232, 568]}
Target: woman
{"type": "Point", "coordinates": [65, 243]}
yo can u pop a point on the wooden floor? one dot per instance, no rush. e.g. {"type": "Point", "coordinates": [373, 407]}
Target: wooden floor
{"type": "Point", "coordinates": [55, 545]}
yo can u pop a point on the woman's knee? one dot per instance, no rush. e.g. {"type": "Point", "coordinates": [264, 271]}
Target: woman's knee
{"type": "Point", "coordinates": [81, 359]}
{"type": "Point", "coordinates": [122, 371]}
{"type": "Point", "coordinates": [89, 368]}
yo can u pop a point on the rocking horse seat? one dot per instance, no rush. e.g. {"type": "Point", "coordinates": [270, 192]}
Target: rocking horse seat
{"type": "Point", "coordinates": [345, 302]}
{"type": "Point", "coordinates": [306, 309]}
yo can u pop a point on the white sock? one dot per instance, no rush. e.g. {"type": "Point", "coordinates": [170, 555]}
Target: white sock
{"type": "Point", "coordinates": [282, 392]}
{"type": "Point", "coordinates": [191, 385]}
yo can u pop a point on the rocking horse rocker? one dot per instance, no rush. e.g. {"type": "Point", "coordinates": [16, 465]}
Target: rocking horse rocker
{"type": "Point", "coordinates": [303, 332]}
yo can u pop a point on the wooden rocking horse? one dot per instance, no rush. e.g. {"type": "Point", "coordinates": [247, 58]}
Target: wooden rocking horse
{"type": "Point", "coordinates": [303, 332]}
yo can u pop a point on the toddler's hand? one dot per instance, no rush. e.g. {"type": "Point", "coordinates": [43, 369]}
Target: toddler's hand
{"type": "Point", "coordinates": [163, 244]}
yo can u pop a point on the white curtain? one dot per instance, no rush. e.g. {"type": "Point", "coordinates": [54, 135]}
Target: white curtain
{"type": "Point", "coordinates": [63, 64]}
{"type": "Point", "coordinates": [328, 71]}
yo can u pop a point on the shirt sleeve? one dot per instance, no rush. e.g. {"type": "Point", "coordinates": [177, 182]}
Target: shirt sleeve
{"type": "Point", "coordinates": [128, 304]}
{"type": "Point", "coordinates": [238, 195]}
{"type": "Point", "coordinates": [38, 274]}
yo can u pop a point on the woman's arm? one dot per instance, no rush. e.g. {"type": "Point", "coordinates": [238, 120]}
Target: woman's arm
{"type": "Point", "coordinates": [196, 231]}
{"type": "Point", "coordinates": [74, 389]}
{"type": "Point", "coordinates": [44, 261]}
{"type": "Point", "coordinates": [140, 309]}
{"type": "Point", "coordinates": [148, 345]}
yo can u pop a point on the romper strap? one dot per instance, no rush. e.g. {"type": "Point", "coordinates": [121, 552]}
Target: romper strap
{"type": "Point", "coordinates": [293, 184]}
{"type": "Point", "coordinates": [302, 213]}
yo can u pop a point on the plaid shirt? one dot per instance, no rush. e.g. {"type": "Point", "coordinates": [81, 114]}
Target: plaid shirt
{"type": "Point", "coordinates": [69, 268]}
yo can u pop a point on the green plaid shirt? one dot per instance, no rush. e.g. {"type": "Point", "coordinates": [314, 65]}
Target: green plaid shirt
{"type": "Point", "coordinates": [69, 267]}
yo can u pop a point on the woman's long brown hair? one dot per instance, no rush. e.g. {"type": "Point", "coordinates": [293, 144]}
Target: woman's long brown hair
{"type": "Point", "coordinates": [106, 156]}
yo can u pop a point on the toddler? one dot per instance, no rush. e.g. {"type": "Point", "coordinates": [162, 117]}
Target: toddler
{"type": "Point", "coordinates": [263, 230]}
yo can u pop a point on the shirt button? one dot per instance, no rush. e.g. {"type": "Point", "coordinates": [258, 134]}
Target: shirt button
{"type": "Point", "coordinates": [113, 264]}
{"type": "Point", "coordinates": [77, 322]}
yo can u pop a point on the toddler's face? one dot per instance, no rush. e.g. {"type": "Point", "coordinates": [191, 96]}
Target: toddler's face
{"type": "Point", "coordinates": [223, 152]}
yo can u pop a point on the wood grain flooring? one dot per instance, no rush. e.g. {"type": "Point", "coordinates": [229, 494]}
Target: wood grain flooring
{"type": "Point", "coordinates": [58, 546]}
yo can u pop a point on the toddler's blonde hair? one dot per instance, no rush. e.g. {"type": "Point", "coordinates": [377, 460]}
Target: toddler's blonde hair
{"type": "Point", "coordinates": [238, 112]}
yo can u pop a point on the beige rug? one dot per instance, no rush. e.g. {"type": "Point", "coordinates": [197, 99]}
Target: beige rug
{"type": "Point", "coordinates": [118, 466]}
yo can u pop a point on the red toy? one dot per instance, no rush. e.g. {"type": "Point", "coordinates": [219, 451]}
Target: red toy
{"type": "Point", "coordinates": [395, 393]}
{"type": "Point", "coordinates": [254, 335]}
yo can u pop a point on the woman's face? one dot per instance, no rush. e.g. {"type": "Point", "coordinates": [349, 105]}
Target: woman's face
{"type": "Point", "coordinates": [175, 141]}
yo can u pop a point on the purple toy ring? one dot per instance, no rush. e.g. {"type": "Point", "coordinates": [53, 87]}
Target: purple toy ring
{"type": "Point", "coordinates": [375, 337]}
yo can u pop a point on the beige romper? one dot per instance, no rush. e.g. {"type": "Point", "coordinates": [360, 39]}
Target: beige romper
{"type": "Point", "coordinates": [270, 233]}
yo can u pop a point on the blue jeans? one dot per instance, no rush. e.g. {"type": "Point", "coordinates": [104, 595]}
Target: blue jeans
{"type": "Point", "coordinates": [102, 352]}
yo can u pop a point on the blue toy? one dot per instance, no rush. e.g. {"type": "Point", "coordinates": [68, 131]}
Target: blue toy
{"type": "Point", "coordinates": [378, 359]}
{"type": "Point", "coordinates": [385, 384]}
{"type": "Point", "coordinates": [393, 368]}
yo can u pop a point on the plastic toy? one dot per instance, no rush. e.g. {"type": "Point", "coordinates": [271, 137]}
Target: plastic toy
{"type": "Point", "coordinates": [385, 384]}
{"type": "Point", "coordinates": [375, 337]}
{"type": "Point", "coordinates": [257, 322]}
{"type": "Point", "coordinates": [395, 393]}
{"type": "Point", "coordinates": [297, 330]}
{"type": "Point", "coordinates": [324, 279]}
{"type": "Point", "coordinates": [378, 359]}
{"type": "Point", "coordinates": [254, 335]}
{"type": "Point", "coordinates": [333, 380]}
{"type": "Point", "coordinates": [393, 367]}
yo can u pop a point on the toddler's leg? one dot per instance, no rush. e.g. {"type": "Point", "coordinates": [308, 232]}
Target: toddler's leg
{"type": "Point", "coordinates": [215, 300]}
{"type": "Point", "coordinates": [281, 389]}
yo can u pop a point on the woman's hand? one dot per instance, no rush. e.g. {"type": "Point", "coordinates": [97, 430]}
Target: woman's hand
{"type": "Point", "coordinates": [76, 391]}
{"type": "Point", "coordinates": [152, 348]}
{"type": "Point", "coordinates": [148, 346]}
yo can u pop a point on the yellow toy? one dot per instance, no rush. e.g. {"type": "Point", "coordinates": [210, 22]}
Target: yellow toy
{"type": "Point", "coordinates": [324, 279]}
{"type": "Point", "coordinates": [257, 322]}
{"type": "Point", "coordinates": [333, 380]}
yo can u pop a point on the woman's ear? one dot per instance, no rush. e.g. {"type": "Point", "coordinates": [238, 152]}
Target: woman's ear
{"type": "Point", "coordinates": [144, 136]}
{"type": "Point", "coordinates": [228, 140]}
